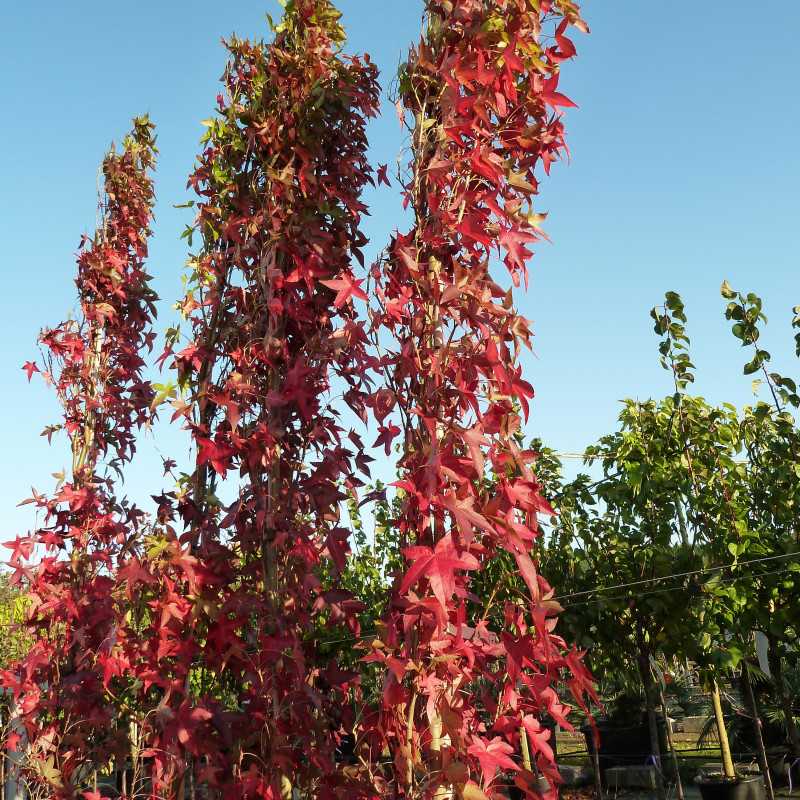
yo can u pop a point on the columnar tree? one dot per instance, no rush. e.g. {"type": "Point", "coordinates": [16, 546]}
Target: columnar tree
{"type": "Point", "coordinates": [480, 98]}
{"type": "Point", "coordinates": [273, 330]}
{"type": "Point", "coordinates": [62, 686]}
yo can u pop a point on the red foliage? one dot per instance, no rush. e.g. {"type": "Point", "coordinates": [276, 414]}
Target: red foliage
{"type": "Point", "coordinates": [273, 320]}
{"type": "Point", "coordinates": [481, 91]}
{"type": "Point", "coordinates": [200, 626]}
{"type": "Point", "coordinates": [95, 364]}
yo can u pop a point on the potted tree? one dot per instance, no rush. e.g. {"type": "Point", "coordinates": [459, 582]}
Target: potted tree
{"type": "Point", "coordinates": [616, 541]}
{"type": "Point", "coordinates": [729, 784]}
{"type": "Point", "coordinates": [771, 437]}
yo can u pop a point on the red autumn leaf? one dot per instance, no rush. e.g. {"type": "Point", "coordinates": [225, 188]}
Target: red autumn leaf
{"type": "Point", "coordinates": [338, 547]}
{"type": "Point", "coordinates": [554, 98]}
{"type": "Point", "coordinates": [527, 570]}
{"type": "Point", "coordinates": [475, 439]}
{"type": "Point", "coordinates": [565, 45]}
{"type": "Point", "coordinates": [13, 741]}
{"type": "Point", "coordinates": [524, 494]}
{"type": "Point", "coordinates": [510, 57]}
{"type": "Point", "coordinates": [21, 548]}
{"type": "Point", "coordinates": [555, 708]}
{"type": "Point", "coordinates": [397, 666]}
{"type": "Point", "coordinates": [345, 289]}
{"type": "Point", "coordinates": [383, 403]}
{"type": "Point", "coordinates": [465, 515]}
{"type": "Point", "coordinates": [386, 433]}
{"type": "Point", "coordinates": [558, 99]}
{"type": "Point", "coordinates": [513, 241]}
{"type": "Point", "coordinates": [133, 572]}
{"type": "Point", "coordinates": [30, 367]}
{"type": "Point", "coordinates": [382, 176]}
{"type": "Point", "coordinates": [218, 455]}
{"type": "Point", "coordinates": [487, 164]}
{"type": "Point", "coordinates": [538, 737]}
{"type": "Point", "coordinates": [438, 566]}
{"type": "Point", "coordinates": [473, 226]}
{"type": "Point", "coordinates": [492, 756]}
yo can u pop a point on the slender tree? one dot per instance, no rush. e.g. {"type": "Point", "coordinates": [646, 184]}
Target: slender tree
{"type": "Point", "coordinates": [273, 326]}
{"type": "Point", "coordinates": [461, 702]}
{"type": "Point", "coordinates": [68, 565]}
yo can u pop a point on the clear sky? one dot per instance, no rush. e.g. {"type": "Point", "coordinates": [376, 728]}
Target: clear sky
{"type": "Point", "coordinates": [684, 171]}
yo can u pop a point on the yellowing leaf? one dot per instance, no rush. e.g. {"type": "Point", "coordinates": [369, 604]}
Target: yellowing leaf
{"type": "Point", "coordinates": [536, 220]}
{"type": "Point", "coordinates": [518, 179]}
{"type": "Point", "coordinates": [472, 791]}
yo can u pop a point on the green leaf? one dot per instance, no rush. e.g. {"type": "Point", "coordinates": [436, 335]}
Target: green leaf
{"type": "Point", "coordinates": [752, 366]}
{"type": "Point", "coordinates": [164, 391]}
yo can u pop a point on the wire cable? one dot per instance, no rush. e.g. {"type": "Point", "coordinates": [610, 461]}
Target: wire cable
{"type": "Point", "coordinates": [663, 591]}
{"type": "Point", "coordinates": [597, 589]}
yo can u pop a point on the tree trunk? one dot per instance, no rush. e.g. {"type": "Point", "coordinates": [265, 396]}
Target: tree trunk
{"type": "Point", "coordinates": [722, 733]}
{"type": "Point", "coordinates": [442, 792]}
{"type": "Point", "coordinates": [646, 675]}
{"type": "Point", "coordinates": [756, 717]}
{"type": "Point", "coordinates": [672, 750]}
{"type": "Point", "coordinates": [598, 778]}
{"type": "Point", "coordinates": [776, 668]}
{"type": "Point", "coordinates": [409, 776]}
{"type": "Point", "coordinates": [682, 526]}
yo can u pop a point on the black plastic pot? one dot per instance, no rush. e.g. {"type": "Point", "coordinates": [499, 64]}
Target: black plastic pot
{"type": "Point", "coordinates": [749, 788]}
{"type": "Point", "coordinates": [624, 745]}
{"type": "Point", "coordinates": [781, 764]}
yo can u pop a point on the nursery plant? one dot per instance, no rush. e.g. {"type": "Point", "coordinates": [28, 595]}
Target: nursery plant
{"type": "Point", "coordinates": [771, 438]}
{"type": "Point", "coordinates": [194, 645]}
{"type": "Point", "coordinates": [72, 566]}
{"type": "Point", "coordinates": [461, 701]}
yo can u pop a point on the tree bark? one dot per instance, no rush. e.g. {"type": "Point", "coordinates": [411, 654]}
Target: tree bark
{"type": "Point", "coordinates": [756, 717]}
{"type": "Point", "coordinates": [442, 791]}
{"type": "Point", "coordinates": [643, 660]}
{"type": "Point", "coordinates": [672, 750]}
{"type": "Point", "coordinates": [682, 526]}
{"type": "Point", "coordinates": [598, 778]}
{"type": "Point", "coordinates": [526, 752]}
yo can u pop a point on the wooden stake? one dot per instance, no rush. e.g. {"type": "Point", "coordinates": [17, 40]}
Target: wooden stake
{"type": "Point", "coordinates": [722, 732]}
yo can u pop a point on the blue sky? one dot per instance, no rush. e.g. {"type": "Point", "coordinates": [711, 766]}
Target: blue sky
{"type": "Point", "coordinates": [684, 171]}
